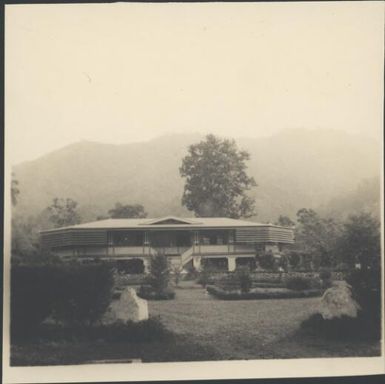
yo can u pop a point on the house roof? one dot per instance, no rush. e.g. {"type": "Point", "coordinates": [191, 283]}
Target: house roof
{"type": "Point", "coordinates": [168, 222]}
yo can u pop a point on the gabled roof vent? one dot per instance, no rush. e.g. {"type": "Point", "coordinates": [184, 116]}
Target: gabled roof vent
{"type": "Point", "coordinates": [169, 220]}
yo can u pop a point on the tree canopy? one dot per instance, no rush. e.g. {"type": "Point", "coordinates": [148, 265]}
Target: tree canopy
{"type": "Point", "coordinates": [317, 236]}
{"type": "Point", "coordinates": [285, 221]}
{"type": "Point", "coordinates": [127, 211]}
{"type": "Point", "coordinates": [216, 179]}
{"type": "Point", "coordinates": [14, 190]}
{"type": "Point", "coordinates": [63, 212]}
{"type": "Point", "coordinates": [360, 242]}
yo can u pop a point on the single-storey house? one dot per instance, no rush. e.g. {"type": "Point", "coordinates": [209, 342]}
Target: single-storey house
{"type": "Point", "coordinates": [186, 242]}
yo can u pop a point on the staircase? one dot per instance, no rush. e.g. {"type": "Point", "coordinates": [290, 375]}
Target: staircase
{"type": "Point", "coordinates": [187, 256]}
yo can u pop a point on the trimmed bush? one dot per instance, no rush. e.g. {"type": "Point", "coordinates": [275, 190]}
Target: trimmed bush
{"type": "Point", "coordinates": [267, 261]}
{"type": "Point", "coordinates": [148, 293]}
{"type": "Point", "coordinates": [238, 280]}
{"type": "Point", "coordinates": [260, 294]}
{"type": "Point", "coordinates": [244, 279]}
{"type": "Point", "coordinates": [366, 289]}
{"type": "Point", "coordinates": [228, 282]}
{"type": "Point", "coordinates": [123, 280]}
{"type": "Point", "coordinates": [268, 285]}
{"type": "Point", "coordinates": [325, 276]}
{"type": "Point", "coordinates": [142, 331]}
{"type": "Point", "coordinates": [83, 293]}
{"type": "Point", "coordinates": [298, 283]}
{"type": "Point", "coordinates": [206, 276]}
{"type": "Point", "coordinates": [343, 328]}
{"type": "Point", "coordinates": [156, 285]}
{"type": "Point", "coordinates": [32, 297]}
{"type": "Point", "coordinates": [71, 293]}
{"type": "Point", "coordinates": [132, 266]}
{"type": "Point", "coordinates": [192, 274]}
{"type": "Point", "coordinates": [159, 276]}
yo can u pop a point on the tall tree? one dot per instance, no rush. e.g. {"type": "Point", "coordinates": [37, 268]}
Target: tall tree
{"type": "Point", "coordinates": [63, 212]}
{"type": "Point", "coordinates": [127, 211]}
{"type": "Point", "coordinates": [285, 221]}
{"type": "Point", "coordinates": [216, 179]}
{"type": "Point", "coordinates": [360, 242]}
{"type": "Point", "coordinates": [317, 236]}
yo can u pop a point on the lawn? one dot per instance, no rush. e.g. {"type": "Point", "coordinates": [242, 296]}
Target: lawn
{"type": "Point", "coordinates": [208, 329]}
{"type": "Point", "coordinates": [251, 329]}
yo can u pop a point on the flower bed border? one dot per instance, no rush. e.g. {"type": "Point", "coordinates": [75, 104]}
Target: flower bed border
{"type": "Point", "coordinates": [236, 295]}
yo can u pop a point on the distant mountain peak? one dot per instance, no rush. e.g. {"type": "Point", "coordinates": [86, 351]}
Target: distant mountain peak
{"type": "Point", "coordinates": [294, 169]}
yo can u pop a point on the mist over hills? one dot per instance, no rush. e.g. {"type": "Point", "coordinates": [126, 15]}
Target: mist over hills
{"type": "Point", "coordinates": [293, 169]}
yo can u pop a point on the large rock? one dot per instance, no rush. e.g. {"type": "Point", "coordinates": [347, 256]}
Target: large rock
{"type": "Point", "coordinates": [337, 301]}
{"type": "Point", "coordinates": [128, 307]}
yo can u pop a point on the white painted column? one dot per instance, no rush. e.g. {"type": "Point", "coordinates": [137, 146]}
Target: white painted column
{"type": "Point", "coordinates": [197, 262]}
{"type": "Point", "coordinates": [146, 263]}
{"type": "Point", "coordinates": [231, 263]}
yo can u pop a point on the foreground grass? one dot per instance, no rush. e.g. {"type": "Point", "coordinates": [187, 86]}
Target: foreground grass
{"type": "Point", "coordinates": [208, 329]}
{"type": "Point", "coordinates": [69, 353]}
{"type": "Point", "coordinates": [252, 329]}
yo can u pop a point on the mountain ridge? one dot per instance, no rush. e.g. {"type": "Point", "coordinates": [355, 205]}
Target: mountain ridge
{"type": "Point", "coordinates": [293, 169]}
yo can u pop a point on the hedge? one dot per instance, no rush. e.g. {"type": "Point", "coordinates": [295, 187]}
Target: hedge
{"type": "Point", "coordinates": [147, 292]}
{"type": "Point", "coordinates": [143, 331]}
{"type": "Point", "coordinates": [83, 293]}
{"type": "Point", "coordinates": [260, 294]}
{"type": "Point", "coordinates": [32, 297]}
{"type": "Point", "coordinates": [72, 294]}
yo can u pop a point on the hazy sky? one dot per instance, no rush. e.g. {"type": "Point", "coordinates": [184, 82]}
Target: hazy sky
{"type": "Point", "coordinates": [118, 73]}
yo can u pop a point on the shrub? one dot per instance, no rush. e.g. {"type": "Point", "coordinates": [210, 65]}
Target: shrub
{"type": "Point", "coordinates": [71, 293]}
{"type": "Point", "coordinates": [192, 273]}
{"type": "Point", "coordinates": [343, 328]}
{"type": "Point", "coordinates": [267, 261]}
{"type": "Point", "coordinates": [268, 285]}
{"type": "Point", "coordinates": [298, 283]}
{"type": "Point", "coordinates": [147, 292]}
{"type": "Point", "coordinates": [156, 286]}
{"type": "Point", "coordinates": [294, 259]}
{"type": "Point", "coordinates": [325, 275]}
{"type": "Point", "coordinates": [123, 280]}
{"type": "Point", "coordinates": [206, 275]}
{"type": "Point", "coordinates": [83, 292]}
{"type": "Point", "coordinates": [177, 274]}
{"type": "Point", "coordinates": [228, 282]}
{"type": "Point", "coordinates": [244, 279]}
{"type": "Point", "coordinates": [159, 276]}
{"type": "Point", "coordinates": [366, 290]}
{"type": "Point", "coordinates": [260, 294]}
{"type": "Point", "coordinates": [32, 297]}
{"type": "Point", "coordinates": [142, 331]}
{"type": "Point", "coordinates": [132, 266]}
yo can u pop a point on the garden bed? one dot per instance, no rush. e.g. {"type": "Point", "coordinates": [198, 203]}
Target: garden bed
{"type": "Point", "coordinates": [261, 293]}
{"type": "Point", "coordinates": [147, 293]}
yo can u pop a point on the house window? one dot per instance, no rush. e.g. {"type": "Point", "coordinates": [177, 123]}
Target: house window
{"type": "Point", "coordinates": [128, 238]}
{"type": "Point", "coordinates": [214, 237]}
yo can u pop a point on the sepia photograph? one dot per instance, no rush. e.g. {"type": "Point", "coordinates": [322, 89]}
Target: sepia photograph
{"type": "Point", "coordinates": [193, 191]}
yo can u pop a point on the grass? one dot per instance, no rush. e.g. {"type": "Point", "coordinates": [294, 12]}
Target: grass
{"type": "Point", "coordinates": [70, 353]}
{"type": "Point", "coordinates": [248, 329]}
{"type": "Point", "coordinates": [209, 329]}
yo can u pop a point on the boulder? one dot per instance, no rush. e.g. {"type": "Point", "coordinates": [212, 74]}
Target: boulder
{"type": "Point", "coordinates": [337, 301]}
{"type": "Point", "coordinates": [128, 307]}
